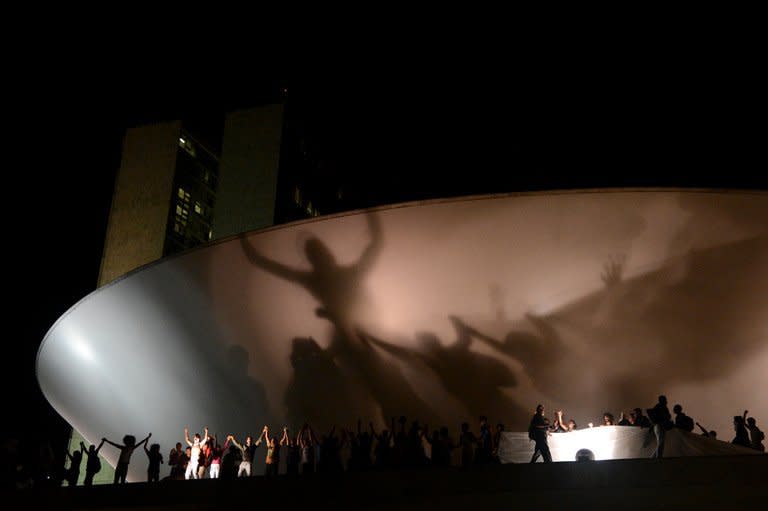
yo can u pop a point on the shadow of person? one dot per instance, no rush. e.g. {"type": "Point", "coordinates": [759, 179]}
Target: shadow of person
{"type": "Point", "coordinates": [246, 394]}
{"type": "Point", "coordinates": [472, 378]}
{"type": "Point", "coordinates": [339, 289]}
{"type": "Point", "coordinates": [537, 352]}
{"type": "Point", "coordinates": [319, 392]}
{"type": "Point", "coordinates": [342, 298]}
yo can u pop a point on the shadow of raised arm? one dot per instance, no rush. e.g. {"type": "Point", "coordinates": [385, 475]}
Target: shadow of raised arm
{"type": "Point", "coordinates": [466, 333]}
{"type": "Point", "coordinates": [269, 265]}
{"type": "Point", "coordinates": [372, 251]}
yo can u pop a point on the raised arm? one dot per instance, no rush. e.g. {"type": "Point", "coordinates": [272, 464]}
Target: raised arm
{"type": "Point", "coordinates": [284, 440]}
{"type": "Point", "coordinates": [145, 440]}
{"type": "Point", "coordinates": [186, 437]}
{"type": "Point", "coordinates": [702, 429]}
{"type": "Point", "coordinates": [110, 442]}
{"type": "Point", "coordinates": [206, 437]}
{"type": "Point", "coordinates": [263, 435]}
{"type": "Point", "coordinates": [101, 444]}
{"type": "Point", "coordinates": [235, 442]}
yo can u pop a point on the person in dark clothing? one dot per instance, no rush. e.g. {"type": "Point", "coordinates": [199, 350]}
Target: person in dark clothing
{"type": "Point", "coordinates": [155, 460]}
{"type": "Point", "coordinates": [682, 421]}
{"type": "Point", "coordinates": [93, 465]}
{"type": "Point", "coordinates": [755, 434]}
{"type": "Point", "coordinates": [640, 419]}
{"type": "Point", "coordinates": [75, 460]}
{"type": "Point", "coordinates": [742, 434]}
{"type": "Point", "coordinates": [129, 445]}
{"type": "Point", "coordinates": [662, 421]}
{"type": "Point", "coordinates": [537, 432]}
{"type": "Point", "coordinates": [484, 452]}
{"type": "Point", "coordinates": [247, 452]}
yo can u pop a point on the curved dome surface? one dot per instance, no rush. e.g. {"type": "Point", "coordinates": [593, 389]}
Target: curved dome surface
{"type": "Point", "coordinates": [590, 302]}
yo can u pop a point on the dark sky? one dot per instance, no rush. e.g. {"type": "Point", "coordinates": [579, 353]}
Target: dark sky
{"type": "Point", "coordinates": [399, 138]}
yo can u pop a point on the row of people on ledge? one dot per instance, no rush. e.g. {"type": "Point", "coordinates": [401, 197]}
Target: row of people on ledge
{"type": "Point", "coordinates": [204, 455]}
{"type": "Point", "coordinates": [658, 419]}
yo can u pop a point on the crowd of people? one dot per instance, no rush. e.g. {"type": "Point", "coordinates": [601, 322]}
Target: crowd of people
{"type": "Point", "coordinates": [658, 419]}
{"type": "Point", "coordinates": [402, 445]}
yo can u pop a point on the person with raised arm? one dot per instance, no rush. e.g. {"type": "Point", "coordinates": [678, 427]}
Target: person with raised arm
{"type": "Point", "coordinates": [294, 452]}
{"type": "Point", "coordinates": [194, 457]}
{"type": "Point", "coordinates": [708, 434]}
{"type": "Point", "coordinates": [93, 465]}
{"type": "Point", "coordinates": [75, 460]}
{"type": "Point", "coordinates": [307, 441]}
{"type": "Point", "coordinates": [383, 446]}
{"type": "Point", "coordinates": [247, 452]}
{"type": "Point", "coordinates": [272, 460]}
{"type": "Point", "coordinates": [155, 460]}
{"type": "Point", "coordinates": [126, 449]}
{"type": "Point", "coordinates": [756, 436]}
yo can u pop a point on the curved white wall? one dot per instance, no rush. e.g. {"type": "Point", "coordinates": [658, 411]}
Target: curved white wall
{"type": "Point", "coordinates": [447, 309]}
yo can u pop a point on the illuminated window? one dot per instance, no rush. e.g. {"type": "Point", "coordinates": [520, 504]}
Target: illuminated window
{"type": "Point", "coordinates": [210, 234]}
{"type": "Point", "coordinates": [309, 208]}
{"type": "Point", "coordinates": [181, 193]}
{"type": "Point", "coordinates": [198, 209]}
{"type": "Point", "coordinates": [186, 197]}
{"type": "Point", "coordinates": [178, 209]}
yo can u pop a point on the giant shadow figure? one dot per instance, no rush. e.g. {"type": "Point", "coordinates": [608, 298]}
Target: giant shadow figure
{"type": "Point", "coordinates": [473, 378]}
{"type": "Point", "coordinates": [340, 292]}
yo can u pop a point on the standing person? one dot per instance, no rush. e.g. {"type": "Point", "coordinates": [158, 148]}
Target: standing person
{"type": "Point", "coordinates": [294, 453]}
{"type": "Point", "coordinates": [662, 421]}
{"type": "Point", "coordinates": [484, 453]}
{"type": "Point", "coordinates": [247, 452]}
{"type": "Point", "coordinates": [755, 434]}
{"type": "Point", "coordinates": [497, 441]}
{"type": "Point", "coordinates": [307, 441]}
{"type": "Point", "coordinates": [194, 455]}
{"type": "Point", "coordinates": [155, 460]}
{"type": "Point", "coordinates": [537, 432]}
{"type": "Point", "coordinates": [467, 441]}
{"type": "Point", "coordinates": [216, 454]}
{"type": "Point", "coordinates": [742, 434]}
{"type": "Point", "coordinates": [93, 465]}
{"type": "Point", "coordinates": [129, 444]}
{"type": "Point", "coordinates": [176, 461]}
{"type": "Point", "coordinates": [272, 460]}
{"type": "Point", "coordinates": [75, 460]}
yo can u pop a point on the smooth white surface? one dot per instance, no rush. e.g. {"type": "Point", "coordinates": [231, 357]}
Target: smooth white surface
{"type": "Point", "coordinates": [208, 337]}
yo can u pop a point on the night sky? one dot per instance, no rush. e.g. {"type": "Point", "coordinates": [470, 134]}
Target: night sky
{"type": "Point", "coordinates": [397, 139]}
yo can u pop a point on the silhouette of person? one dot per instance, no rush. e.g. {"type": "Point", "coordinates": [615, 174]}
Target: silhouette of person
{"type": "Point", "coordinates": [340, 292]}
{"type": "Point", "coordinates": [742, 434]}
{"type": "Point", "coordinates": [176, 461]}
{"type": "Point", "coordinates": [75, 459]}
{"type": "Point", "coordinates": [93, 465]}
{"type": "Point", "coordinates": [473, 378]}
{"type": "Point", "coordinates": [755, 434]}
{"type": "Point", "coordinates": [129, 445]}
{"type": "Point", "coordinates": [155, 460]}
{"type": "Point", "coordinates": [682, 421]}
{"type": "Point", "coordinates": [537, 431]}
{"type": "Point", "coordinates": [339, 289]}
{"type": "Point", "coordinates": [662, 421]}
